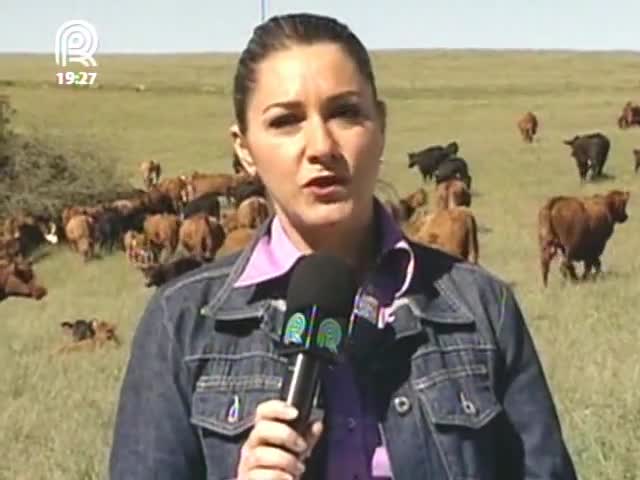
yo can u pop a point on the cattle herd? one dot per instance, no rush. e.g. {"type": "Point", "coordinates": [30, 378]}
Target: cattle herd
{"type": "Point", "coordinates": [177, 224]}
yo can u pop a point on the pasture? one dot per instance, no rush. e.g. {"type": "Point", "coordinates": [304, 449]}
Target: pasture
{"type": "Point", "coordinates": [56, 413]}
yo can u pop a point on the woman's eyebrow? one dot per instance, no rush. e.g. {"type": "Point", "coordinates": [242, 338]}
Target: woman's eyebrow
{"type": "Point", "coordinates": [333, 99]}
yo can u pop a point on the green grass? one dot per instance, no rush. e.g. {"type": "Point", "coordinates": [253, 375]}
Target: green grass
{"type": "Point", "coordinates": [56, 414]}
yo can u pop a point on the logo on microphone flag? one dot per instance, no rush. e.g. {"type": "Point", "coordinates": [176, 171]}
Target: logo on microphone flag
{"type": "Point", "coordinates": [329, 335]}
{"type": "Point", "coordinates": [295, 329]}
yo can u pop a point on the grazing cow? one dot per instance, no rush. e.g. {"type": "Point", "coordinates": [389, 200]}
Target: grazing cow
{"type": "Point", "coordinates": [579, 228]}
{"type": "Point", "coordinates": [528, 126]}
{"type": "Point", "coordinates": [452, 193]}
{"type": "Point", "coordinates": [453, 230]}
{"type": "Point", "coordinates": [590, 152]}
{"type": "Point", "coordinates": [151, 172]}
{"type": "Point", "coordinates": [451, 168]}
{"type": "Point", "coordinates": [429, 159]}
{"type": "Point", "coordinates": [160, 274]}
{"type": "Point", "coordinates": [88, 335]}
{"type": "Point", "coordinates": [162, 231]}
{"type": "Point", "coordinates": [80, 233]}
{"type": "Point", "coordinates": [208, 204]}
{"type": "Point", "coordinates": [201, 236]}
{"type": "Point", "coordinates": [636, 155]}
{"type": "Point", "coordinates": [252, 212]}
{"type": "Point", "coordinates": [17, 279]}
{"type": "Point", "coordinates": [630, 116]}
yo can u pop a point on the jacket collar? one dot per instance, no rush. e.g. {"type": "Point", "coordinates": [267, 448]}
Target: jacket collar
{"type": "Point", "coordinates": [427, 300]}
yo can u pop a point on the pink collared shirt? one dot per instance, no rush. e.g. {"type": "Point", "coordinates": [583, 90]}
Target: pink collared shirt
{"type": "Point", "coordinates": [274, 255]}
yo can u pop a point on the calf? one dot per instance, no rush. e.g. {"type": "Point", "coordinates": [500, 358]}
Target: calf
{"type": "Point", "coordinates": [579, 229]}
{"type": "Point", "coordinates": [88, 335]}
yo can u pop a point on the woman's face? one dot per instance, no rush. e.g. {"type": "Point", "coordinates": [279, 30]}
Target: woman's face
{"type": "Point", "coordinates": [314, 135]}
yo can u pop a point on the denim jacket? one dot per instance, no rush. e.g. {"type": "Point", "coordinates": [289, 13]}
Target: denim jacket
{"type": "Point", "coordinates": [459, 387]}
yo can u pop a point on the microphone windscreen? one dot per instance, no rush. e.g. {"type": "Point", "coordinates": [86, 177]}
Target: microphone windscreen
{"type": "Point", "coordinates": [323, 280]}
{"type": "Point", "coordinates": [320, 300]}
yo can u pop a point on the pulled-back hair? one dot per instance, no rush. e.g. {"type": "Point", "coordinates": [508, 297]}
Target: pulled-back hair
{"type": "Point", "coordinates": [283, 31]}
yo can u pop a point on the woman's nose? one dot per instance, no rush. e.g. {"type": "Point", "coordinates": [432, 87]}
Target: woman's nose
{"type": "Point", "coordinates": [320, 142]}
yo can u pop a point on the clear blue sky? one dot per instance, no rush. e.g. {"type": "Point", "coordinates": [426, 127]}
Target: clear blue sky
{"type": "Point", "coordinates": [222, 25]}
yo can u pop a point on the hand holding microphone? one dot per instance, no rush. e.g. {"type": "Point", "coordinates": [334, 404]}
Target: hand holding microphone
{"type": "Point", "coordinates": [320, 299]}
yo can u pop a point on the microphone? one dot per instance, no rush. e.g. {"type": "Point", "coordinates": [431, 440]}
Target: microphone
{"type": "Point", "coordinates": [320, 299]}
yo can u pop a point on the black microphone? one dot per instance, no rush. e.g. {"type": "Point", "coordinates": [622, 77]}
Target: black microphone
{"type": "Point", "coordinates": [320, 299]}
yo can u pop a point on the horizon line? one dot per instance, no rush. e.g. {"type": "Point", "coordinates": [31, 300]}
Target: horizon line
{"type": "Point", "coordinates": [372, 50]}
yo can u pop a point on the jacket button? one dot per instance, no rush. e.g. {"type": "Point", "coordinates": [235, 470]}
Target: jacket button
{"type": "Point", "coordinates": [402, 404]}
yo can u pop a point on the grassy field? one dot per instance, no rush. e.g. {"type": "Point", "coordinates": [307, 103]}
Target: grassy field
{"type": "Point", "coordinates": [56, 414]}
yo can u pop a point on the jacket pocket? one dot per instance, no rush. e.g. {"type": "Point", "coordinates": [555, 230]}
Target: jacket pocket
{"type": "Point", "coordinates": [460, 396]}
{"type": "Point", "coordinates": [227, 405]}
{"type": "Point", "coordinates": [460, 404]}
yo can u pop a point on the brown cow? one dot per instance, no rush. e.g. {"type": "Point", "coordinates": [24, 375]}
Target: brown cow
{"type": "Point", "coordinates": [222, 184]}
{"type": "Point", "coordinates": [252, 212]}
{"type": "Point", "coordinates": [17, 279]}
{"type": "Point", "coordinates": [579, 228]}
{"type": "Point", "coordinates": [236, 240]}
{"type": "Point", "coordinates": [162, 231]}
{"type": "Point", "coordinates": [528, 126]}
{"type": "Point", "coordinates": [10, 249]}
{"type": "Point", "coordinates": [173, 188]}
{"type": "Point", "coordinates": [451, 193]}
{"type": "Point", "coordinates": [201, 236]}
{"type": "Point", "coordinates": [159, 274]}
{"type": "Point", "coordinates": [81, 235]}
{"type": "Point", "coordinates": [453, 230]}
{"type": "Point", "coordinates": [151, 172]}
{"type": "Point", "coordinates": [636, 155]}
{"type": "Point", "coordinates": [630, 115]}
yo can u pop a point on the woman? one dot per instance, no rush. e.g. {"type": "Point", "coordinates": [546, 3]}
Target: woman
{"type": "Point", "coordinates": [455, 391]}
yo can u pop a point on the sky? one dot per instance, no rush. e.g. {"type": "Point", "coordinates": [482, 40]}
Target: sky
{"type": "Point", "coordinates": [167, 26]}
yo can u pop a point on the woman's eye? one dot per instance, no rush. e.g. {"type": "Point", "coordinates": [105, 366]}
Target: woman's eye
{"type": "Point", "coordinates": [348, 111]}
{"type": "Point", "coordinates": [285, 120]}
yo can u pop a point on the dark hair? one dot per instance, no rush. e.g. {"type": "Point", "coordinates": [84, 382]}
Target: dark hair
{"type": "Point", "coordinates": [283, 31]}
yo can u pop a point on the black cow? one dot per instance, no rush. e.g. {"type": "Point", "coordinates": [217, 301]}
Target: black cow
{"type": "Point", "coordinates": [451, 168]}
{"type": "Point", "coordinates": [208, 203]}
{"type": "Point", "coordinates": [254, 188]}
{"type": "Point", "coordinates": [429, 159]}
{"type": "Point", "coordinates": [110, 228]}
{"type": "Point", "coordinates": [590, 152]}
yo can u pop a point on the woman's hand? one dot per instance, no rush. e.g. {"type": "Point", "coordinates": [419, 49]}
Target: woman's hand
{"type": "Point", "coordinates": [274, 450]}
